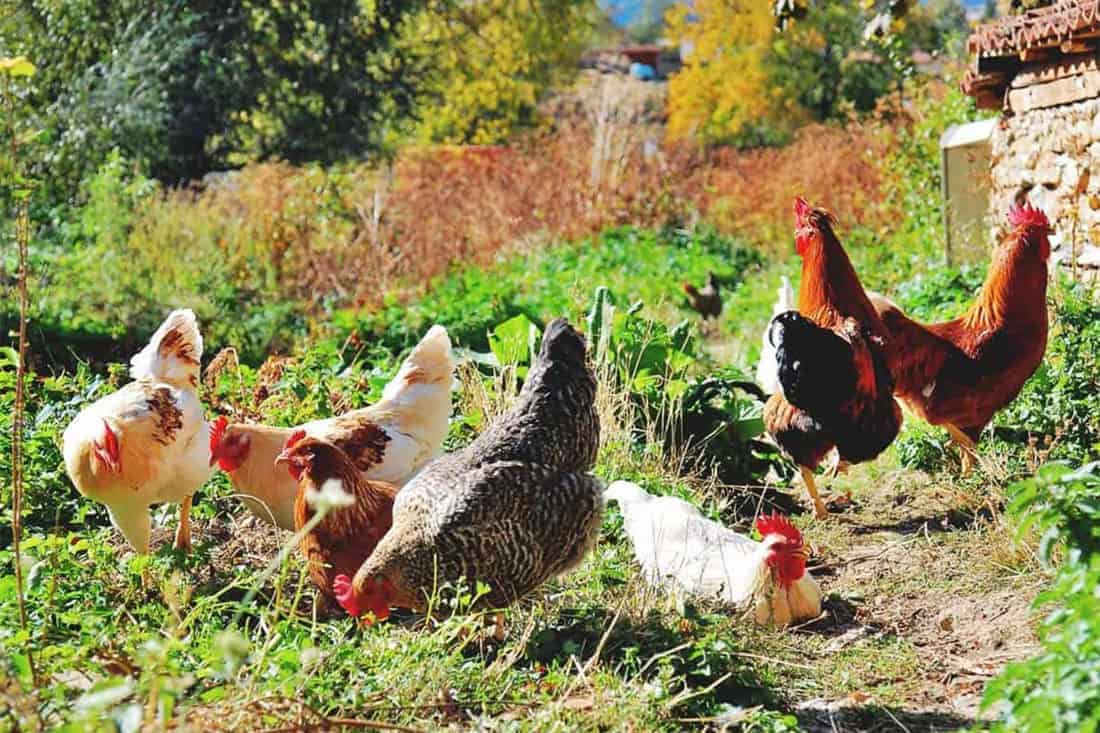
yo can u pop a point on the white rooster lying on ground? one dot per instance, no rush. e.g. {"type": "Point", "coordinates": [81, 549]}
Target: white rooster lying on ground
{"type": "Point", "coordinates": [147, 443]}
{"type": "Point", "coordinates": [767, 369]}
{"type": "Point", "coordinates": [676, 545]}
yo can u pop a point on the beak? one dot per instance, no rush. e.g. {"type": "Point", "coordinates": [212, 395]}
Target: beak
{"type": "Point", "coordinates": [282, 459]}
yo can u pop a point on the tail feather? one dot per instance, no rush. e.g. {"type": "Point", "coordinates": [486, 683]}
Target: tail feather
{"type": "Point", "coordinates": [173, 354]}
{"type": "Point", "coordinates": [562, 343]}
{"type": "Point", "coordinates": [882, 304]}
{"type": "Point", "coordinates": [786, 301]}
{"type": "Point", "coordinates": [430, 362]}
{"type": "Point", "coordinates": [626, 492]}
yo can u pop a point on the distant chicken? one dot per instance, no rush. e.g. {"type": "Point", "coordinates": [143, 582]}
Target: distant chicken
{"type": "Point", "coordinates": [958, 374]}
{"type": "Point", "coordinates": [147, 443]}
{"type": "Point", "coordinates": [831, 355]}
{"type": "Point", "coordinates": [676, 545]}
{"type": "Point", "coordinates": [767, 369]}
{"type": "Point", "coordinates": [706, 301]}
{"type": "Point", "coordinates": [389, 441]}
{"type": "Point", "coordinates": [513, 509]}
{"type": "Point", "coordinates": [345, 536]}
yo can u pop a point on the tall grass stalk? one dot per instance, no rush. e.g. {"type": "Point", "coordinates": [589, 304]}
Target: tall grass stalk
{"type": "Point", "coordinates": [21, 196]}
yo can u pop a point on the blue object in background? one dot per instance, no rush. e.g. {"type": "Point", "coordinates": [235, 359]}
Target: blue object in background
{"type": "Point", "coordinates": [645, 72]}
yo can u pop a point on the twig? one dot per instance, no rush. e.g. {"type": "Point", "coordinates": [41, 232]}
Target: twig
{"type": "Point", "coordinates": [662, 655]}
{"type": "Point", "coordinates": [685, 696]}
{"type": "Point", "coordinates": [899, 723]}
{"type": "Point", "coordinates": [595, 655]}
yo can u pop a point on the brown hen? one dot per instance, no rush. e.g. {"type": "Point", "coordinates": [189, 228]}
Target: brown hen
{"type": "Point", "coordinates": [345, 536]}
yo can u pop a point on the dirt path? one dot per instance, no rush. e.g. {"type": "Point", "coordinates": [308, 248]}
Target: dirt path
{"type": "Point", "coordinates": [928, 601]}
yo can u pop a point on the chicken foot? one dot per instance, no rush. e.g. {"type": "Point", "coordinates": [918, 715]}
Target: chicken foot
{"type": "Point", "coordinates": [968, 449]}
{"type": "Point", "coordinates": [183, 532]}
{"type": "Point", "coordinates": [820, 511]}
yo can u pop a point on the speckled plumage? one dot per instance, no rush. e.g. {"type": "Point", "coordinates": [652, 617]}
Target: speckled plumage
{"type": "Point", "coordinates": [514, 508]}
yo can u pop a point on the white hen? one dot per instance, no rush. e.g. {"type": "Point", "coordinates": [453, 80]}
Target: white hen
{"type": "Point", "coordinates": [677, 546]}
{"type": "Point", "coordinates": [148, 442]}
{"type": "Point", "coordinates": [767, 369]}
{"type": "Point", "coordinates": [389, 441]}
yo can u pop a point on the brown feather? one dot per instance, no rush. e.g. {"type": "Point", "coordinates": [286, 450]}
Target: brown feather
{"type": "Point", "coordinates": [167, 416]}
{"type": "Point", "coordinates": [345, 538]}
{"type": "Point", "coordinates": [961, 372]}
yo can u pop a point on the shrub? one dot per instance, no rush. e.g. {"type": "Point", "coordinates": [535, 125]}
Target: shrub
{"type": "Point", "coordinates": [1060, 405]}
{"type": "Point", "coordinates": [1057, 690]}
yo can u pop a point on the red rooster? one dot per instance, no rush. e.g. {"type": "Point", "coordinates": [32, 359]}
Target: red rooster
{"type": "Point", "coordinates": [958, 374]}
{"type": "Point", "coordinates": [836, 389]}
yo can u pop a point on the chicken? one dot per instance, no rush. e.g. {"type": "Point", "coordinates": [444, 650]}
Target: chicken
{"type": "Point", "coordinates": [513, 509]}
{"type": "Point", "coordinates": [766, 369]}
{"type": "Point", "coordinates": [707, 301]}
{"type": "Point", "coordinates": [389, 441]}
{"type": "Point", "coordinates": [676, 545]}
{"type": "Point", "coordinates": [836, 389]}
{"type": "Point", "coordinates": [344, 537]}
{"type": "Point", "coordinates": [958, 374]}
{"type": "Point", "coordinates": [148, 442]}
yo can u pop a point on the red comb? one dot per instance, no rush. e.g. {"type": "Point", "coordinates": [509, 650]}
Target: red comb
{"type": "Point", "coordinates": [802, 211]}
{"type": "Point", "coordinates": [293, 439]}
{"type": "Point", "coordinates": [776, 523]}
{"type": "Point", "coordinates": [1027, 216]}
{"type": "Point", "coordinates": [341, 588]}
{"type": "Point", "coordinates": [217, 432]}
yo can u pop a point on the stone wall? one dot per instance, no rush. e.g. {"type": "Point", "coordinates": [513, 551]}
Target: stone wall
{"type": "Point", "coordinates": [1047, 156]}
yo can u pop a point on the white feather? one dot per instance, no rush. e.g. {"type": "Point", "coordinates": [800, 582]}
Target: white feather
{"type": "Point", "coordinates": [164, 365]}
{"type": "Point", "coordinates": [767, 370]}
{"type": "Point", "coordinates": [680, 548]}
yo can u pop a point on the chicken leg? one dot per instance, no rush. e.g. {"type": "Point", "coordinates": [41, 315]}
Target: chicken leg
{"type": "Point", "coordinates": [183, 532]}
{"type": "Point", "coordinates": [968, 449]}
{"type": "Point", "coordinates": [811, 486]}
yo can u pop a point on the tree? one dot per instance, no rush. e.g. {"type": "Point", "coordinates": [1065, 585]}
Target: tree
{"type": "Point", "coordinates": [488, 63]}
{"type": "Point", "coordinates": [186, 86]}
{"type": "Point", "coordinates": [723, 93]}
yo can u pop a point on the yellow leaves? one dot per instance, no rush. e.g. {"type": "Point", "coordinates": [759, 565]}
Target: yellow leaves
{"type": "Point", "coordinates": [18, 66]}
{"type": "Point", "coordinates": [723, 89]}
{"type": "Point", "coordinates": [492, 60]}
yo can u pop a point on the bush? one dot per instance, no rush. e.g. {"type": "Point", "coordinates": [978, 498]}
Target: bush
{"type": "Point", "coordinates": [1057, 691]}
{"type": "Point", "coordinates": [1060, 405]}
{"type": "Point", "coordinates": [637, 264]}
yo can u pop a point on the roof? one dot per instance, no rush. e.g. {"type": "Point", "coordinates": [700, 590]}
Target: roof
{"type": "Point", "coordinates": [1064, 21]}
{"type": "Point", "coordinates": [1010, 55]}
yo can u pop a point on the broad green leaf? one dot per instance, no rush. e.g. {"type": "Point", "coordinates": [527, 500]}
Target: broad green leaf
{"type": "Point", "coordinates": [9, 357]}
{"type": "Point", "coordinates": [511, 341]}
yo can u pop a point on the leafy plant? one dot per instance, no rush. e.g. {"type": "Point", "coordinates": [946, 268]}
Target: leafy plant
{"type": "Point", "coordinates": [1060, 405]}
{"type": "Point", "coordinates": [1057, 690]}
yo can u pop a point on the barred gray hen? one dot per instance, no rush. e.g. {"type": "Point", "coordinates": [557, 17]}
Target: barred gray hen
{"type": "Point", "coordinates": [513, 509]}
